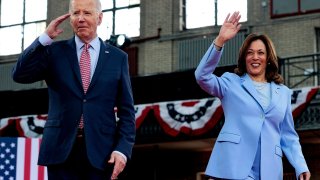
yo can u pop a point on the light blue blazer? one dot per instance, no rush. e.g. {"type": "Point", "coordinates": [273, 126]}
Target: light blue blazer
{"type": "Point", "coordinates": [245, 121]}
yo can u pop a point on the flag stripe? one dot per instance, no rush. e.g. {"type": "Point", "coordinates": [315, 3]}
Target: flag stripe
{"type": "Point", "coordinates": [20, 157]}
{"type": "Point", "coordinates": [40, 168]}
{"type": "Point", "coordinates": [34, 158]}
{"type": "Point", "coordinates": [27, 159]}
{"type": "Point", "coordinates": [41, 173]}
{"type": "Point", "coordinates": [45, 173]}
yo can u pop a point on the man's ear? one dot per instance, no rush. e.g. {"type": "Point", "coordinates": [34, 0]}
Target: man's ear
{"type": "Point", "coordinates": [100, 18]}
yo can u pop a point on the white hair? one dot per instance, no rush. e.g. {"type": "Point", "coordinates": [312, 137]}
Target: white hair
{"type": "Point", "coordinates": [98, 5]}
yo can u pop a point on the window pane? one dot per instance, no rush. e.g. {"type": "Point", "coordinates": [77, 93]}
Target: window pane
{"type": "Point", "coordinates": [128, 22]}
{"type": "Point", "coordinates": [106, 4]}
{"type": "Point", "coordinates": [11, 40]}
{"type": "Point", "coordinates": [11, 12]}
{"type": "Point", "coordinates": [124, 3]}
{"type": "Point", "coordinates": [285, 7]}
{"type": "Point", "coordinates": [32, 31]}
{"type": "Point", "coordinates": [229, 6]}
{"type": "Point", "coordinates": [105, 28]}
{"type": "Point", "coordinates": [36, 10]}
{"type": "Point", "coordinates": [318, 39]}
{"type": "Point", "coordinates": [199, 13]}
{"type": "Point", "coordinates": [307, 5]}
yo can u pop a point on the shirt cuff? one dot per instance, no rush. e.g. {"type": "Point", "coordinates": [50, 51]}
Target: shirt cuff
{"type": "Point", "coordinates": [45, 40]}
{"type": "Point", "coordinates": [120, 153]}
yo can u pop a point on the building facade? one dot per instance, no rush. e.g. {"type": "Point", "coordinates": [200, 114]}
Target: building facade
{"type": "Point", "coordinates": [166, 46]}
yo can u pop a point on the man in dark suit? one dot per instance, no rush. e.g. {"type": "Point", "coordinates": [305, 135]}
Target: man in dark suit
{"type": "Point", "coordinates": [82, 138]}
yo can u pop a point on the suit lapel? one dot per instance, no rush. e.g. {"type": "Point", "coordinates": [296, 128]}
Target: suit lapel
{"type": "Point", "coordinates": [103, 54]}
{"type": "Point", "coordinates": [275, 95]}
{"type": "Point", "coordinates": [249, 87]}
{"type": "Point", "coordinates": [275, 92]}
{"type": "Point", "coordinates": [73, 59]}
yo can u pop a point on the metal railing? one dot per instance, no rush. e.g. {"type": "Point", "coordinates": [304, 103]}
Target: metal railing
{"type": "Point", "coordinates": [192, 50]}
{"type": "Point", "coordinates": [300, 71]}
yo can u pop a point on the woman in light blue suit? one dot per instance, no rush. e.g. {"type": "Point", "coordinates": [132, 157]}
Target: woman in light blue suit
{"type": "Point", "coordinates": [258, 117]}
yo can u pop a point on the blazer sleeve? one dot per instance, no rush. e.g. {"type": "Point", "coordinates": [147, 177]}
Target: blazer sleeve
{"type": "Point", "coordinates": [125, 112]}
{"type": "Point", "coordinates": [204, 73]}
{"type": "Point", "coordinates": [31, 64]}
{"type": "Point", "coordinates": [290, 142]}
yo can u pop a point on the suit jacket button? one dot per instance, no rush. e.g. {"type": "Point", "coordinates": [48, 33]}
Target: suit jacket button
{"type": "Point", "coordinates": [84, 100]}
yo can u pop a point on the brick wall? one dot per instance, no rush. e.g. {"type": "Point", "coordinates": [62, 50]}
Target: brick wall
{"type": "Point", "coordinates": [291, 35]}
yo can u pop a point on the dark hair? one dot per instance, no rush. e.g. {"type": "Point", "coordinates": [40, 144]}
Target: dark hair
{"type": "Point", "coordinates": [272, 59]}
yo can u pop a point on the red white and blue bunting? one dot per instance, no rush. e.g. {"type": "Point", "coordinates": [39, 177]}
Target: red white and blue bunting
{"type": "Point", "coordinates": [301, 98]}
{"type": "Point", "coordinates": [190, 117]}
{"type": "Point", "coordinates": [193, 117]}
{"type": "Point", "coordinates": [141, 111]}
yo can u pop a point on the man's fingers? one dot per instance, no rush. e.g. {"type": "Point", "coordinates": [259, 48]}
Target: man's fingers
{"type": "Point", "coordinates": [116, 171]}
{"type": "Point", "coordinates": [60, 19]}
{"type": "Point", "coordinates": [56, 22]}
{"type": "Point", "coordinates": [119, 164]}
{"type": "Point", "coordinates": [52, 29]}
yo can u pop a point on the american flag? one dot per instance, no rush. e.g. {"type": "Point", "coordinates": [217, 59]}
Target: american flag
{"type": "Point", "coordinates": [18, 159]}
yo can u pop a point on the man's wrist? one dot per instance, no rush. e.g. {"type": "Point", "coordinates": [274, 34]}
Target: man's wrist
{"type": "Point", "coordinates": [45, 39]}
{"type": "Point", "coordinates": [120, 153]}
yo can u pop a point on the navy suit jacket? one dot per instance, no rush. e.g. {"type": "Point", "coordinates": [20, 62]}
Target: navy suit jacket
{"type": "Point", "coordinates": [110, 88]}
{"type": "Point", "coordinates": [245, 121]}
